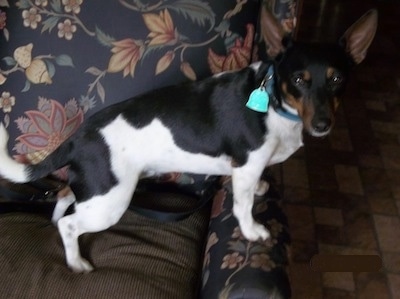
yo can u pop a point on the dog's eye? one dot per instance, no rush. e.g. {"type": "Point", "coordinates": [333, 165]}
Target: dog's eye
{"type": "Point", "coordinates": [298, 80]}
{"type": "Point", "coordinates": [336, 79]}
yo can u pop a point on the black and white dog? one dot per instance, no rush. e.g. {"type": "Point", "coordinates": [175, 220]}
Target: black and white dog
{"type": "Point", "coordinates": [200, 127]}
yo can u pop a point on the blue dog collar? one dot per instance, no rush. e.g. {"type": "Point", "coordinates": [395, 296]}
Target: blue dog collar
{"type": "Point", "coordinates": [287, 114]}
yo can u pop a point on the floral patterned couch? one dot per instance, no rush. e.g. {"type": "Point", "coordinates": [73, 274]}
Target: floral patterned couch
{"type": "Point", "coordinates": [63, 60]}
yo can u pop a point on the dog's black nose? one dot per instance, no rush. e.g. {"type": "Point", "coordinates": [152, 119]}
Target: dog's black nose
{"type": "Point", "coordinates": [321, 125]}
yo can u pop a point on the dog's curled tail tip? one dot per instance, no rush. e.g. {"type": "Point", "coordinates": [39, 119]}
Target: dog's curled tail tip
{"type": "Point", "coordinates": [3, 136]}
{"type": "Point", "coordinates": [9, 168]}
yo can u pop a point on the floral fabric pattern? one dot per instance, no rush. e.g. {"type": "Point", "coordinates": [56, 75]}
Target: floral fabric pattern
{"type": "Point", "coordinates": [55, 25]}
{"type": "Point", "coordinates": [233, 265]}
{"type": "Point", "coordinates": [99, 53]}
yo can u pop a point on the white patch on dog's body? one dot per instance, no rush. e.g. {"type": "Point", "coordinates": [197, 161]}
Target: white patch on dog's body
{"type": "Point", "coordinates": [152, 149]}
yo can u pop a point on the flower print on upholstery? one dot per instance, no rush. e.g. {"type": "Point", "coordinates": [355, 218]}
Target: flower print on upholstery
{"type": "Point", "coordinates": [126, 54]}
{"type": "Point", "coordinates": [46, 128]}
{"type": "Point", "coordinates": [38, 12]}
{"type": "Point", "coordinates": [42, 3]}
{"type": "Point", "coordinates": [289, 22]}
{"type": "Point", "coordinates": [218, 203]}
{"type": "Point", "coordinates": [239, 55]}
{"type": "Point", "coordinates": [275, 227]}
{"type": "Point", "coordinates": [3, 19]}
{"type": "Point", "coordinates": [212, 240]}
{"type": "Point", "coordinates": [38, 70]}
{"type": "Point", "coordinates": [237, 234]}
{"type": "Point", "coordinates": [262, 261]}
{"type": "Point", "coordinates": [38, 73]}
{"type": "Point", "coordinates": [73, 6]}
{"type": "Point", "coordinates": [31, 18]}
{"type": "Point", "coordinates": [2, 79]}
{"type": "Point", "coordinates": [35, 70]}
{"type": "Point", "coordinates": [161, 27]}
{"type": "Point", "coordinates": [164, 62]}
{"type": "Point", "coordinates": [23, 55]}
{"type": "Point", "coordinates": [6, 102]}
{"type": "Point", "coordinates": [66, 29]}
{"type": "Point", "coordinates": [232, 260]}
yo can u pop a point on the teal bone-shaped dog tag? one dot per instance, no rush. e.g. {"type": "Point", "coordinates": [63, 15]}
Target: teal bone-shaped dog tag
{"type": "Point", "coordinates": [259, 98]}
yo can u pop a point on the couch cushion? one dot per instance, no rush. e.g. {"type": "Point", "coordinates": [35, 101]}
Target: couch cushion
{"type": "Point", "coordinates": [137, 258]}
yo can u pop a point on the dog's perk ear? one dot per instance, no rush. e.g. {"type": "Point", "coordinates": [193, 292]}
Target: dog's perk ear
{"type": "Point", "coordinates": [359, 36]}
{"type": "Point", "coordinates": [272, 32]}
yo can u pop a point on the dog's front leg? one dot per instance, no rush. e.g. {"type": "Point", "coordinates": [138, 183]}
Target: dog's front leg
{"type": "Point", "coordinates": [244, 183]}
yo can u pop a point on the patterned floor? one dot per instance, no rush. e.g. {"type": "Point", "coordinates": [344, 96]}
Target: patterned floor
{"type": "Point", "coordinates": [342, 193]}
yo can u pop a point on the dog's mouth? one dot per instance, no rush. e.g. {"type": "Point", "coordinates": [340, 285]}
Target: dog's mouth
{"type": "Point", "coordinates": [315, 133]}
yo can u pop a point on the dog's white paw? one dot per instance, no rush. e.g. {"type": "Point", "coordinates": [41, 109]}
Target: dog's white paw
{"type": "Point", "coordinates": [262, 188]}
{"type": "Point", "coordinates": [255, 231]}
{"type": "Point", "coordinates": [80, 266]}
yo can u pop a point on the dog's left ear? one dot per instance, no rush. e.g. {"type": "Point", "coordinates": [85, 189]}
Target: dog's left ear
{"type": "Point", "coordinates": [272, 32]}
{"type": "Point", "coordinates": [359, 36]}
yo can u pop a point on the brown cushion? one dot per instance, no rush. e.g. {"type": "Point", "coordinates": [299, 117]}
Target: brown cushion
{"type": "Point", "coordinates": [137, 258]}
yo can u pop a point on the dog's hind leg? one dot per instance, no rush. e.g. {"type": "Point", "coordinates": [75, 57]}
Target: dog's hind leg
{"type": "Point", "coordinates": [70, 230]}
{"type": "Point", "coordinates": [93, 215]}
{"type": "Point", "coordinates": [67, 198]}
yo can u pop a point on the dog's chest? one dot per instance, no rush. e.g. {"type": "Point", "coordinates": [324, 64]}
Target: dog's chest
{"type": "Point", "coordinates": [284, 137]}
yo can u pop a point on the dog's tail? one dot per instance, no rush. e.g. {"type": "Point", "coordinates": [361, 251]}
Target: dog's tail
{"type": "Point", "coordinates": [20, 173]}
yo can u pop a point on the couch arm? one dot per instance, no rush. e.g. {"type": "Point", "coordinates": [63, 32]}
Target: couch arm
{"type": "Point", "coordinates": [236, 268]}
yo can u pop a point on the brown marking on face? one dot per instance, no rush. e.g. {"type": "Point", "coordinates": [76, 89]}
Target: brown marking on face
{"type": "Point", "coordinates": [303, 107]}
{"type": "Point", "coordinates": [330, 71]}
{"type": "Point", "coordinates": [306, 76]}
{"type": "Point", "coordinates": [336, 103]}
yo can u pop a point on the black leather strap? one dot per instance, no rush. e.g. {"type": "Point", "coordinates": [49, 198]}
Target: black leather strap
{"type": "Point", "coordinates": [172, 188]}
{"type": "Point", "coordinates": [165, 216]}
{"type": "Point", "coordinates": [39, 197]}
{"type": "Point", "coordinates": [43, 189]}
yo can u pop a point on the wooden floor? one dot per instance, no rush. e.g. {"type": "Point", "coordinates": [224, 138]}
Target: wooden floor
{"type": "Point", "coordinates": [342, 193]}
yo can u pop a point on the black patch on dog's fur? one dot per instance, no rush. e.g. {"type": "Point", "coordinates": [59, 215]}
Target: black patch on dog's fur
{"type": "Point", "coordinates": [204, 117]}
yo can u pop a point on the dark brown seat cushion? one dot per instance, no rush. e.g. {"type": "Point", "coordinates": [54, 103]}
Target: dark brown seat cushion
{"type": "Point", "coordinates": [137, 258]}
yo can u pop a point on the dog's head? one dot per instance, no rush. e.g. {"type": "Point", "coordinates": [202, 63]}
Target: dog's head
{"type": "Point", "coordinates": [311, 76]}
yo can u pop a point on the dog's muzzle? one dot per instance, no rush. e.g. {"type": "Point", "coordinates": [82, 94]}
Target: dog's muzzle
{"type": "Point", "coordinates": [321, 126]}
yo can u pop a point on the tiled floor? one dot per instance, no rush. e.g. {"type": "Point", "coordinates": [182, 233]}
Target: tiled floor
{"type": "Point", "coordinates": [342, 193]}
